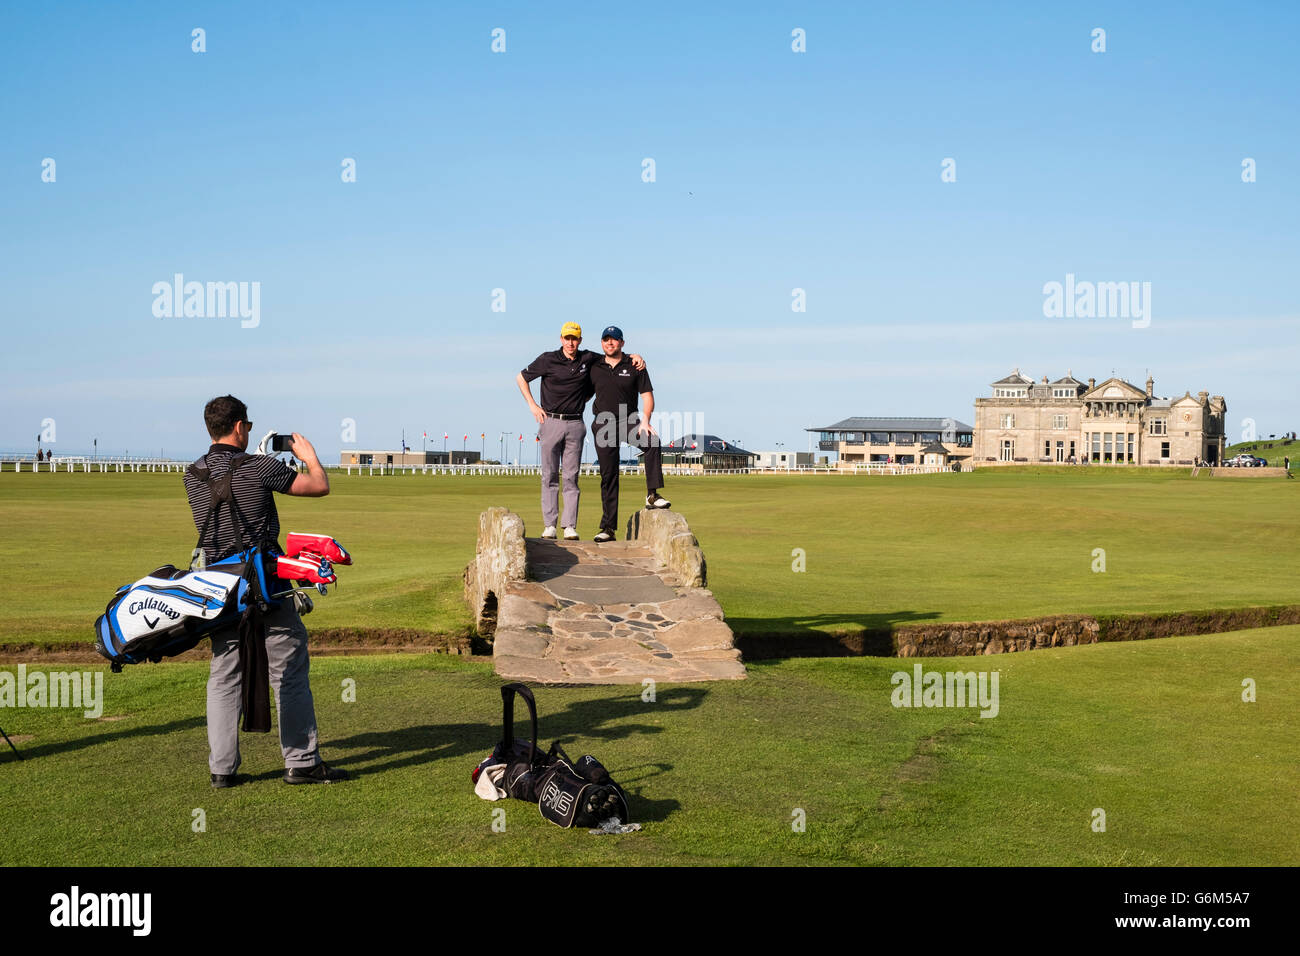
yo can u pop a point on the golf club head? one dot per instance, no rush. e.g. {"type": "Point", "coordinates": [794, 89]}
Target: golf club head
{"type": "Point", "coordinates": [308, 567]}
{"type": "Point", "coordinates": [323, 545]}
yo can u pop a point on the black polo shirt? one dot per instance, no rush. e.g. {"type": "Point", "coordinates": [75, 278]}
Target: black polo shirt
{"type": "Point", "coordinates": [618, 385]}
{"type": "Point", "coordinates": [566, 386]}
{"type": "Point", "coordinates": [251, 488]}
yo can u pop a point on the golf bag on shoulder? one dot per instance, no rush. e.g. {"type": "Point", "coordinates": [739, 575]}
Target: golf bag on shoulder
{"type": "Point", "coordinates": [567, 792]}
{"type": "Point", "coordinates": [169, 610]}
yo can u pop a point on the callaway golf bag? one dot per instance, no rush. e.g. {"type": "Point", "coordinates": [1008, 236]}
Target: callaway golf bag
{"type": "Point", "coordinates": [170, 610]}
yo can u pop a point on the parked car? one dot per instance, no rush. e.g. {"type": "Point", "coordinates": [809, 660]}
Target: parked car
{"type": "Point", "coordinates": [1241, 461]}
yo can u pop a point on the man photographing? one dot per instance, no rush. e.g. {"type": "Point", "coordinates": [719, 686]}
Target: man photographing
{"type": "Point", "coordinates": [617, 385]}
{"type": "Point", "coordinates": [254, 479]}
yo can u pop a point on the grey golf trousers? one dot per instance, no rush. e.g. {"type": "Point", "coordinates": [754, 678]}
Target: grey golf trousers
{"type": "Point", "coordinates": [286, 652]}
{"type": "Point", "coordinates": [561, 441]}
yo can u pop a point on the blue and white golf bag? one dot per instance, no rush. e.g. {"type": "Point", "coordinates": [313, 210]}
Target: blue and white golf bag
{"type": "Point", "coordinates": [170, 610]}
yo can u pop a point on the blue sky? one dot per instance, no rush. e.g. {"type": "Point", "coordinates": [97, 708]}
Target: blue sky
{"type": "Point", "coordinates": [521, 170]}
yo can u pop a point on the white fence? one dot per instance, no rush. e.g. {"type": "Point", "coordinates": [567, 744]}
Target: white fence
{"type": "Point", "coordinates": [72, 463]}
{"type": "Point", "coordinates": [121, 465]}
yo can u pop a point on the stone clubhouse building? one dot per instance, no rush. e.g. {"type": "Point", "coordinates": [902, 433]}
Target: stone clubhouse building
{"type": "Point", "coordinates": [1108, 423]}
{"type": "Point", "coordinates": [1062, 422]}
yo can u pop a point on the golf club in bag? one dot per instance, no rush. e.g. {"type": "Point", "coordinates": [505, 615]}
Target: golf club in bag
{"type": "Point", "coordinates": [567, 792]}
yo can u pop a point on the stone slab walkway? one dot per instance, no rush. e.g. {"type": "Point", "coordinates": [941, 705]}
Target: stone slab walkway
{"type": "Point", "coordinates": [608, 614]}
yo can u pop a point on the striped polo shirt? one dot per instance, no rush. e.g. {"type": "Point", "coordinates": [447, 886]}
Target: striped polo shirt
{"type": "Point", "coordinates": [251, 488]}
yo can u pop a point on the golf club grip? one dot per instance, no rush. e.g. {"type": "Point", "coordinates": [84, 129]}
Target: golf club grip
{"type": "Point", "coordinates": [508, 715]}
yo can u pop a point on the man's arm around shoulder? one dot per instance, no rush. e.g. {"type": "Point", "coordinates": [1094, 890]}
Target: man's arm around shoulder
{"type": "Point", "coordinates": [314, 484]}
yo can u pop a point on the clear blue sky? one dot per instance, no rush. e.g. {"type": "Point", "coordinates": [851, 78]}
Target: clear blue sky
{"type": "Point", "coordinates": [522, 171]}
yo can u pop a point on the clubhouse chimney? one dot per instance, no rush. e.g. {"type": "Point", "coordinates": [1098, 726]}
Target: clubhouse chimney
{"type": "Point", "coordinates": [1092, 383]}
{"type": "Point", "coordinates": [1151, 384]}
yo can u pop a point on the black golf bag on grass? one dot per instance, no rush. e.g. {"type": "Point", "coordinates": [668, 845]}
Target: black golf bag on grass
{"type": "Point", "coordinates": [567, 792]}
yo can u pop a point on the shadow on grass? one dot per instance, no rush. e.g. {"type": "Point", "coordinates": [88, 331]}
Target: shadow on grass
{"type": "Point", "coordinates": [580, 722]}
{"type": "Point", "coordinates": [643, 809]}
{"type": "Point", "coordinates": [112, 736]}
{"type": "Point", "coordinates": [822, 635]}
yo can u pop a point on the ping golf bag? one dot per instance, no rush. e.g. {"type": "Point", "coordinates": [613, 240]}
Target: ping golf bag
{"type": "Point", "coordinates": [567, 792]}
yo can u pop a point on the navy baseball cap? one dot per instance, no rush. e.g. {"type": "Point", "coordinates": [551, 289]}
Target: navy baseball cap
{"type": "Point", "coordinates": [613, 332]}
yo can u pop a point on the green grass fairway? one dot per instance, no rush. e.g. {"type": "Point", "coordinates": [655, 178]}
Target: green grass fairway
{"type": "Point", "coordinates": [1154, 733]}
{"type": "Point", "coordinates": [997, 543]}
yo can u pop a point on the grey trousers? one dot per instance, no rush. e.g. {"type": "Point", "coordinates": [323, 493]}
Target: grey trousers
{"type": "Point", "coordinates": [561, 441]}
{"type": "Point", "coordinates": [286, 652]}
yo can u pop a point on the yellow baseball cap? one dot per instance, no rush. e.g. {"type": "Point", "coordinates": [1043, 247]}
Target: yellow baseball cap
{"type": "Point", "coordinates": [571, 328]}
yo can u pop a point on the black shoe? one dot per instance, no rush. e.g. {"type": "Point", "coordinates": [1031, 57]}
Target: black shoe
{"type": "Point", "coordinates": [220, 781]}
{"type": "Point", "coordinates": [605, 535]}
{"type": "Point", "coordinates": [317, 774]}
{"type": "Point", "coordinates": [656, 500]}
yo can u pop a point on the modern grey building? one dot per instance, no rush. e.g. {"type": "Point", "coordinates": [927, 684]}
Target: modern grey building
{"type": "Point", "coordinates": [901, 441]}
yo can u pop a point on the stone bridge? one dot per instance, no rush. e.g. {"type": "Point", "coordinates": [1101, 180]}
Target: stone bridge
{"type": "Point", "coordinates": [577, 612]}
